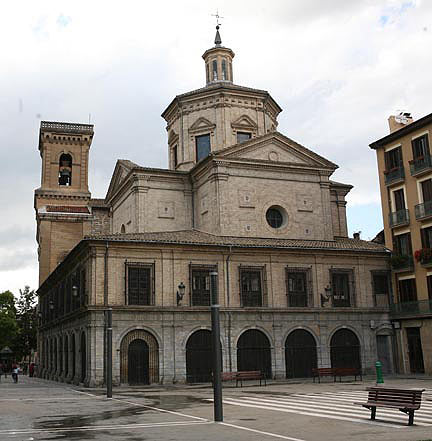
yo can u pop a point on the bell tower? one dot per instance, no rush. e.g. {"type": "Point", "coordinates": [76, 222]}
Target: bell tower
{"type": "Point", "coordinates": [63, 214]}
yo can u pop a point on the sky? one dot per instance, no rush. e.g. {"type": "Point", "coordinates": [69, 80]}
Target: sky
{"type": "Point", "coordinates": [338, 68]}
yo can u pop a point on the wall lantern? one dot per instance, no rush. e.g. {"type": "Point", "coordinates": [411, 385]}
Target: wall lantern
{"type": "Point", "coordinates": [74, 291]}
{"type": "Point", "coordinates": [51, 305]}
{"type": "Point", "coordinates": [180, 293]}
{"type": "Point", "coordinates": [326, 297]}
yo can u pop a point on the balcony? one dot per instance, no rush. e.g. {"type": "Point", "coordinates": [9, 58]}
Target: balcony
{"type": "Point", "coordinates": [424, 256]}
{"type": "Point", "coordinates": [398, 218]}
{"type": "Point", "coordinates": [401, 263]}
{"type": "Point", "coordinates": [394, 175]}
{"type": "Point", "coordinates": [423, 211]}
{"type": "Point", "coordinates": [421, 165]}
{"type": "Point", "coordinates": [411, 309]}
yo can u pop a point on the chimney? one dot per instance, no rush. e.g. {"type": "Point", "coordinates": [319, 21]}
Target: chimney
{"type": "Point", "coordinates": [401, 119]}
{"type": "Point", "coordinates": [357, 235]}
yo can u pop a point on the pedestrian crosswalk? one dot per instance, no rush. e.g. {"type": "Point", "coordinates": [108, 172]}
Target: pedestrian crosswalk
{"type": "Point", "coordinates": [335, 405]}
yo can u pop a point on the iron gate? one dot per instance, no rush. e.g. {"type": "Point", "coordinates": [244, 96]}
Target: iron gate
{"type": "Point", "coordinates": [253, 352]}
{"type": "Point", "coordinates": [345, 350]}
{"type": "Point", "coordinates": [300, 354]}
{"type": "Point", "coordinates": [199, 357]}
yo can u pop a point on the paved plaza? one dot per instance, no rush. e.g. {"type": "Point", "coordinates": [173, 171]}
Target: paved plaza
{"type": "Point", "coordinates": [36, 409]}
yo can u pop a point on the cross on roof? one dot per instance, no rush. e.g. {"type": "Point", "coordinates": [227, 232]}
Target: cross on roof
{"type": "Point", "coordinates": [217, 17]}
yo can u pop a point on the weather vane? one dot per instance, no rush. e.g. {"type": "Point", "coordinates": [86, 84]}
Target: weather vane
{"type": "Point", "coordinates": [217, 18]}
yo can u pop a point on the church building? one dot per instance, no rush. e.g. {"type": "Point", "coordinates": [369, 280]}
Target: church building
{"type": "Point", "coordinates": [239, 198]}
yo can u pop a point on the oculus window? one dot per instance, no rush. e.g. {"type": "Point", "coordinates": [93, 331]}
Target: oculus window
{"type": "Point", "coordinates": [202, 143]}
{"type": "Point", "coordinates": [276, 217]}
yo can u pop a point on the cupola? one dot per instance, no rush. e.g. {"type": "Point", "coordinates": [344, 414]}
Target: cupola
{"type": "Point", "coordinates": [218, 62]}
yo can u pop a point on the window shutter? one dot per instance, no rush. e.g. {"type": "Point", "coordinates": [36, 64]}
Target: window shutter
{"type": "Point", "coordinates": [190, 284]}
{"type": "Point", "coordinates": [240, 285]}
{"type": "Point", "coordinates": [309, 288]}
{"type": "Point", "coordinates": [126, 283]}
{"type": "Point", "coordinates": [287, 286]}
{"type": "Point", "coordinates": [153, 284]}
{"type": "Point", "coordinates": [352, 292]}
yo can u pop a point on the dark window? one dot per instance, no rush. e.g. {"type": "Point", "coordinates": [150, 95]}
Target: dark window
{"type": "Point", "coordinates": [427, 190]}
{"type": "Point", "coordinates": [399, 199]}
{"type": "Point", "coordinates": [381, 289]}
{"type": "Point", "coordinates": [393, 159]}
{"type": "Point", "coordinates": [224, 71]}
{"type": "Point", "coordinates": [175, 159]}
{"type": "Point", "coordinates": [208, 73]}
{"type": "Point", "coordinates": [65, 170]}
{"type": "Point", "coordinates": [407, 290]}
{"type": "Point", "coordinates": [200, 287]}
{"type": "Point", "coordinates": [250, 288]}
{"type": "Point", "coordinates": [429, 286]}
{"type": "Point", "coordinates": [139, 285]}
{"type": "Point", "coordinates": [341, 289]}
{"type": "Point", "coordinates": [202, 146]}
{"type": "Point", "coordinates": [420, 147]}
{"type": "Point", "coordinates": [426, 237]}
{"type": "Point", "coordinates": [215, 75]}
{"type": "Point", "coordinates": [402, 244]}
{"type": "Point", "coordinates": [297, 289]}
{"type": "Point", "coordinates": [274, 217]}
{"type": "Point", "coordinates": [243, 136]}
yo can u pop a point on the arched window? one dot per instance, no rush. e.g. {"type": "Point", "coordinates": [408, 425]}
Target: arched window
{"type": "Point", "coordinates": [65, 170]}
{"type": "Point", "coordinates": [224, 70]}
{"type": "Point", "coordinates": [215, 75]}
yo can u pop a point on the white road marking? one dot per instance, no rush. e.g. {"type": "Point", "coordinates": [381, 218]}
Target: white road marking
{"type": "Point", "coordinates": [274, 435]}
{"type": "Point", "coordinates": [389, 414]}
{"type": "Point", "coordinates": [315, 414]}
{"type": "Point", "coordinates": [95, 428]}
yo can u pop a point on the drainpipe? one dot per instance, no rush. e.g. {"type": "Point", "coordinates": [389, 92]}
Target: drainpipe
{"type": "Point", "coordinates": [229, 313]}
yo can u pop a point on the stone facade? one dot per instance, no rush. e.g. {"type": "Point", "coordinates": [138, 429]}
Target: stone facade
{"type": "Point", "coordinates": [239, 198]}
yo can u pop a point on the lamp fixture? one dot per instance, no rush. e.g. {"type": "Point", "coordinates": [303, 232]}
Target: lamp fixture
{"type": "Point", "coordinates": [74, 291]}
{"type": "Point", "coordinates": [180, 293]}
{"type": "Point", "coordinates": [51, 305]}
{"type": "Point", "coordinates": [326, 297]}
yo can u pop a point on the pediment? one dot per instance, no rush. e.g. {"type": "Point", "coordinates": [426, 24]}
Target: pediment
{"type": "Point", "coordinates": [121, 170]}
{"type": "Point", "coordinates": [201, 124]}
{"type": "Point", "coordinates": [244, 122]}
{"type": "Point", "coordinates": [275, 148]}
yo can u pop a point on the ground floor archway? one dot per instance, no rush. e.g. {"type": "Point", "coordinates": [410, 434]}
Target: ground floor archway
{"type": "Point", "coordinates": [139, 358]}
{"type": "Point", "coordinates": [300, 354]}
{"type": "Point", "coordinates": [253, 352]}
{"type": "Point", "coordinates": [345, 350]}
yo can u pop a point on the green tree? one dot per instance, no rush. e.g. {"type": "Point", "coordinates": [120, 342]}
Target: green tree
{"type": "Point", "coordinates": [8, 323]}
{"type": "Point", "coordinates": [26, 318]}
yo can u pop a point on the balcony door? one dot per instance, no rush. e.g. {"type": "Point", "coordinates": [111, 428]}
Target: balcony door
{"type": "Point", "coordinates": [399, 199]}
{"type": "Point", "coordinates": [427, 190]}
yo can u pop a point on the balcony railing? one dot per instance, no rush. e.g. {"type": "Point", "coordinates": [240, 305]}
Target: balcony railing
{"type": "Point", "coordinates": [398, 218]}
{"type": "Point", "coordinates": [394, 175]}
{"type": "Point", "coordinates": [423, 210]}
{"type": "Point", "coordinates": [424, 256]}
{"type": "Point", "coordinates": [401, 262]}
{"type": "Point", "coordinates": [420, 165]}
{"type": "Point", "coordinates": [409, 309]}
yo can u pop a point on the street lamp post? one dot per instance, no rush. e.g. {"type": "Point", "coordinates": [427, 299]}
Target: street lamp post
{"type": "Point", "coordinates": [217, 382]}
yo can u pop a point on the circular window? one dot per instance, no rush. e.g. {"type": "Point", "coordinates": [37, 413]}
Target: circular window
{"type": "Point", "coordinates": [274, 217]}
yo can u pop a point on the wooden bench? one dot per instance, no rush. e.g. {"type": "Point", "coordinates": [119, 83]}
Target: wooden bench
{"type": "Point", "coordinates": [250, 375]}
{"type": "Point", "coordinates": [323, 372]}
{"type": "Point", "coordinates": [228, 376]}
{"type": "Point", "coordinates": [346, 372]}
{"type": "Point", "coordinates": [406, 400]}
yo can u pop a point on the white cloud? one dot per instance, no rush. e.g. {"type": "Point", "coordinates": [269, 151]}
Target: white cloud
{"type": "Point", "coordinates": [337, 68]}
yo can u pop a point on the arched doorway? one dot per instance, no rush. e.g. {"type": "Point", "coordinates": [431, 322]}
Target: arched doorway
{"type": "Point", "coordinates": [300, 354]}
{"type": "Point", "coordinates": [83, 357]}
{"type": "Point", "coordinates": [199, 357]}
{"type": "Point", "coordinates": [73, 352]}
{"type": "Point", "coordinates": [345, 350]}
{"type": "Point", "coordinates": [139, 358]}
{"type": "Point", "coordinates": [66, 356]}
{"type": "Point", "coordinates": [253, 352]}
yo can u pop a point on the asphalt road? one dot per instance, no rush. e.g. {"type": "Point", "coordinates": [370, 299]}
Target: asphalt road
{"type": "Point", "coordinates": [35, 409]}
